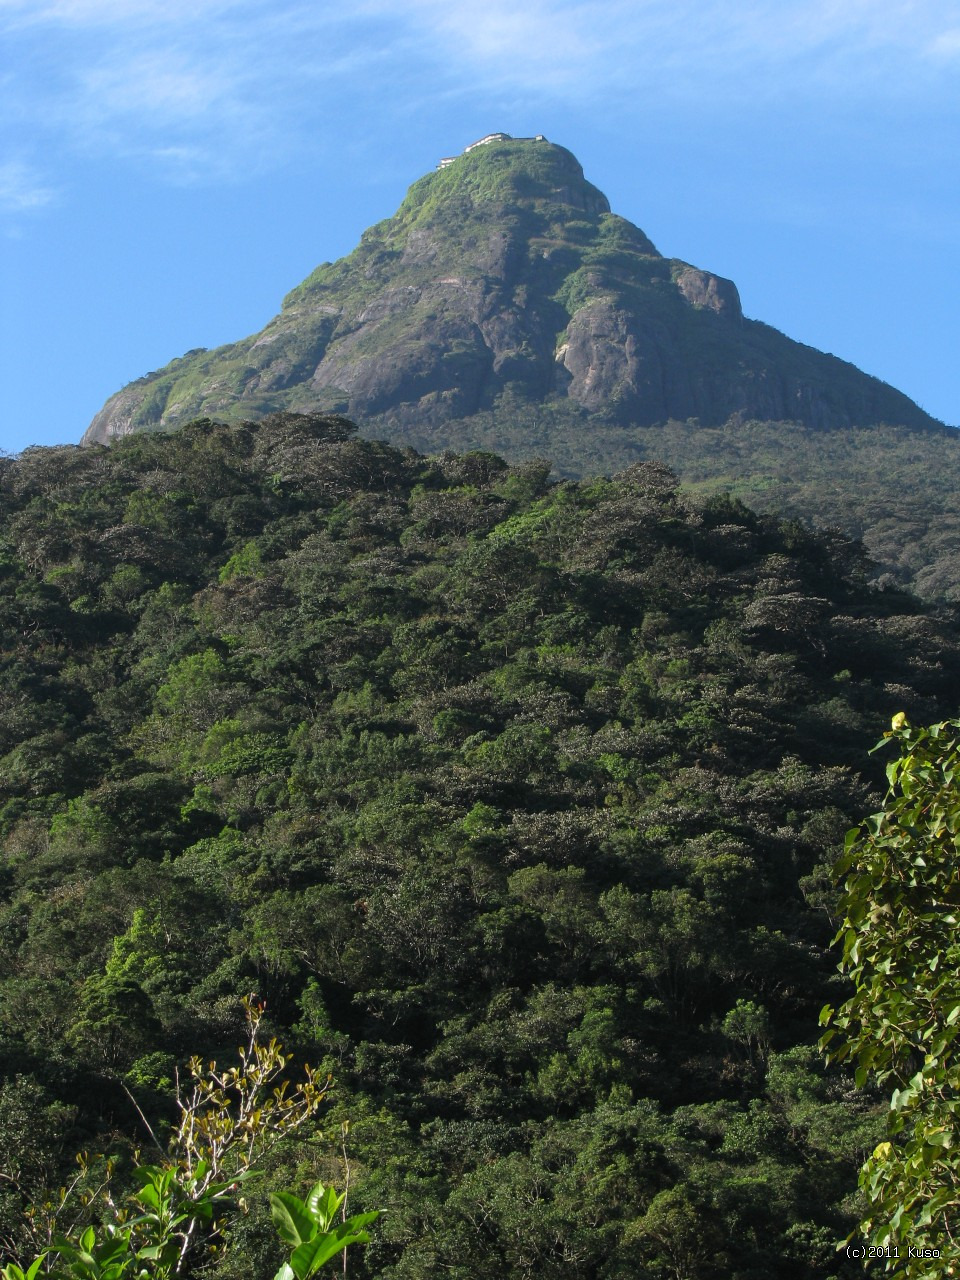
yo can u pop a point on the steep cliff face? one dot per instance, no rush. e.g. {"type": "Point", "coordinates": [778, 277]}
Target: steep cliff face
{"type": "Point", "coordinates": [506, 272]}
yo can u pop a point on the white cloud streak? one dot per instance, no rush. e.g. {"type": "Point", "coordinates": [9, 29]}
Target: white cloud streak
{"type": "Point", "coordinates": [113, 13]}
{"type": "Point", "coordinates": [21, 189]}
{"type": "Point", "coordinates": [707, 43]}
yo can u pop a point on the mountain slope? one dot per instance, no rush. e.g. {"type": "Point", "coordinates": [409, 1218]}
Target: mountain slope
{"type": "Point", "coordinates": [502, 279]}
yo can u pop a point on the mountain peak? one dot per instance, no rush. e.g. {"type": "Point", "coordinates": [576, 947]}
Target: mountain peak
{"type": "Point", "coordinates": [501, 169]}
{"type": "Point", "coordinates": [504, 273]}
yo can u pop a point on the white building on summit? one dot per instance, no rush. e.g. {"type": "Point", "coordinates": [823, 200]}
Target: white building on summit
{"type": "Point", "coordinates": [490, 137]}
{"type": "Point", "coordinates": [482, 142]}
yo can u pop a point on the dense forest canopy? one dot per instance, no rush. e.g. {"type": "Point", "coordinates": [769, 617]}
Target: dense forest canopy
{"type": "Point", "coordinates": [514, 801]}
{"type": "Point", "coordinates": [895, 488]}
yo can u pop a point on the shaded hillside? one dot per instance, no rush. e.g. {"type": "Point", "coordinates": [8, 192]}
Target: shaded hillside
{"type": "Point", "coordinates": [513, 800]}
{"type": "Point", "coordinates": [506, 272]}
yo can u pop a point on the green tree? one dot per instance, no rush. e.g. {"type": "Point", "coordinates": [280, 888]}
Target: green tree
{"type": "Point", "coordinates": [901, 1027]}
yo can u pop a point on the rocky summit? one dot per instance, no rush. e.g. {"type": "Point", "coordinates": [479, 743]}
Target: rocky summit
{"type": "Point", "coordinates": [504, 279]}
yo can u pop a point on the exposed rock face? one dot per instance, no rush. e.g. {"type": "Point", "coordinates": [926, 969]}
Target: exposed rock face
{"type": "Point", "coordinates": [118, 417]}
{"type": "Point", "coordinates": [612, 355]}
{"type": "Point", "coordinates": [506, 272]}
{"type": "Point", "coordinates": [705, 290]}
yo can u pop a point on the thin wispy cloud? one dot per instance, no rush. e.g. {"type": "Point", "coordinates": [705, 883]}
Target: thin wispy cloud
{"type": "Point", "coordinates": [229, 81]}
{"type": "Point", "coordinates": [21, 189]}
{"type": "Point", "coordinates": [151, 83]}
{"type": "Point", "coordinates": [946, 44]}
{"type": "Point", "coordinates": [710, 43]}
{"type": "Point", "coordinates": [100, 13]}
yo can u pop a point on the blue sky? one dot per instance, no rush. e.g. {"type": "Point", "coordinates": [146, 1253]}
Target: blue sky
{"type": "Point", "coordinates": [170, 168]}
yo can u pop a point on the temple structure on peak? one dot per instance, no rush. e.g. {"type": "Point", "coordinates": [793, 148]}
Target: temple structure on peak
{"type": "Point", "coordinates": [485, 141]}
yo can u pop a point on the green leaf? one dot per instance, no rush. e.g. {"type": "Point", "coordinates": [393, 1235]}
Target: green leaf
{"type": "Point", "coordinates": [291, 1218]}
{"type": "Point", "coordinates": [149, 1195]}
{"type": "Point", "coordinates": [322, 1205]}
{"type": "Point", "coordinates": [311, 1256]}
{"type": "Point", "coordinates": [357, 1221]}
{"type": "Point", "coordinates": [939, 1138]}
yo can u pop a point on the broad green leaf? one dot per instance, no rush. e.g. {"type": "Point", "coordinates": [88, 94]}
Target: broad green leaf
{"type": "Point", "coordinates": [149, 1195]}
{"type": "Point", "coordinates": [322, 1205]}
{"type": "Point", "coordinates": [291, 1218]}
{"type": "Point", "coordinates": [310, 1257]}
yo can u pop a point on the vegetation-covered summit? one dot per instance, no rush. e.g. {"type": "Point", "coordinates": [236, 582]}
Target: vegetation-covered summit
{"type": "Point", "coordinates": [513, 799]}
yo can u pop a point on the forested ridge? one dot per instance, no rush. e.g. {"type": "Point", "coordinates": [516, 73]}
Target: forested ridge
{"type": "Point", "coordinates": [895, 488]}
{"type": "Point", "coordinates": [514, 800]}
